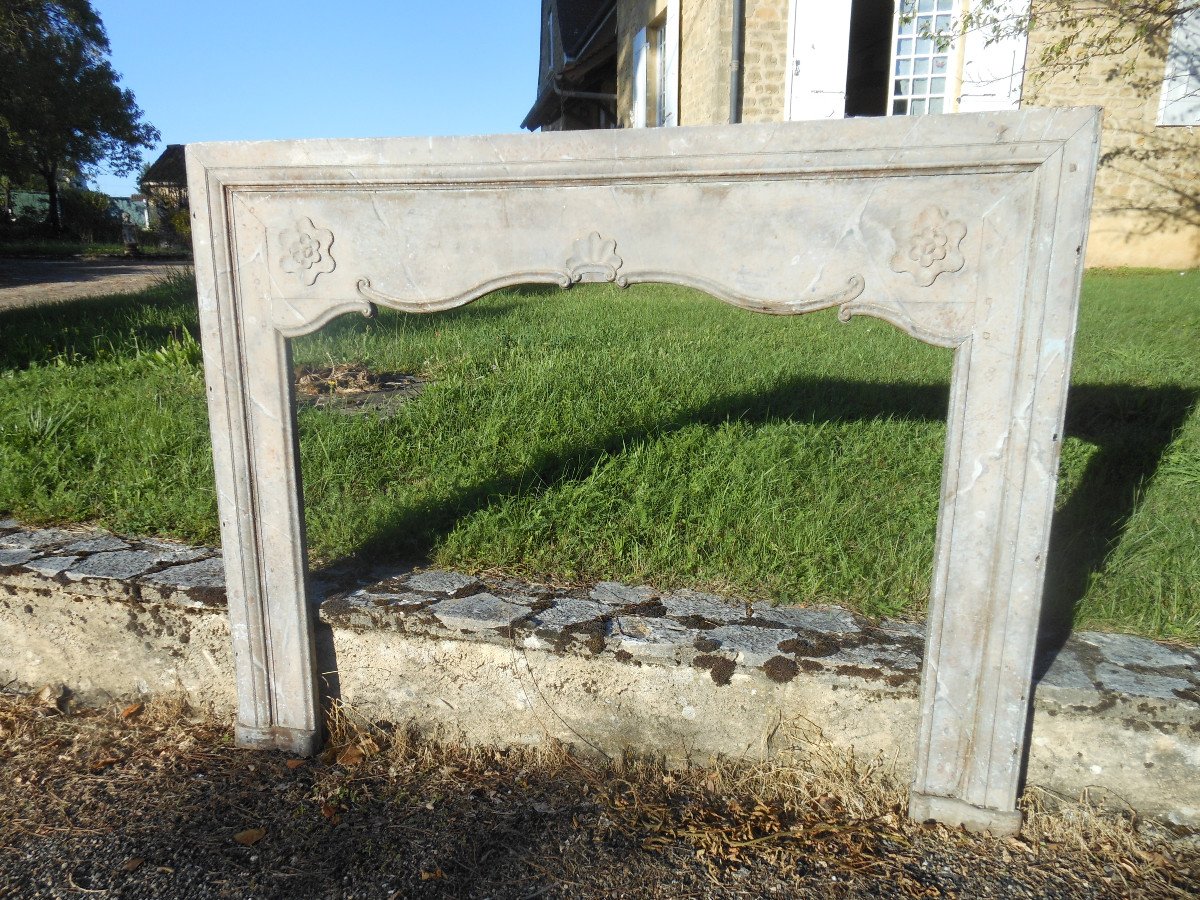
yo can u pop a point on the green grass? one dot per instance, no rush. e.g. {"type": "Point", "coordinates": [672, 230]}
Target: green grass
{"type": "Point", "coordinates": [653, 434]}
{"type": "Point", "coordinates": [64, 249]}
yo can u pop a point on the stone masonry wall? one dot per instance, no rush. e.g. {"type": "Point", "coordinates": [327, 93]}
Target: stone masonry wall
{"type": "Point", "coordinates": [766, 61]}
{"type": "Point", "coordinates": [605, 666]}
{"type": "Point", "coordinates": [1147, 208]}
{"type": "Point", "coordinates": [704, 27]}
{"type": "Point", "coordinates": [705, 34]}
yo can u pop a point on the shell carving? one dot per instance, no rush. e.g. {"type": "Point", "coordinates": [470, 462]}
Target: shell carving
{"type": "Point", "coordinates": [594, 258]}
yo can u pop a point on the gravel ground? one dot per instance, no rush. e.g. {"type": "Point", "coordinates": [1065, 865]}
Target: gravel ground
{"type": "Point", "coordinates": [154, 801]}
{"type": "Point", "coordinates": [32, 282]}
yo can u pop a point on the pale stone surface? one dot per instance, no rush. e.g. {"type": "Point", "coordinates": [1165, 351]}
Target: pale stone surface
{"type": "Point", "coordinates": [96, 544]}
{"type": "Point", "coordinates": [749, 646]}
{"type": "Point", "coordinates": [15, 557]}
{"type": "Point", "coordinates": [837, 621]}
{"type": "Point", "coordinates": [193, 584]}
{"type": "Point", "coordinates": [36, 540]}
{"type": "Point", "coordinates": [478, 612]}
{"type": "Point", "coordinates": [963, 231]}
{"type": "Point", "coordinates": [1122, 681]}
{"type": "Point", "coordinates": [1067, 672]}
{"type": "Point", "coordinates": [688, 604]}
{"type": "Point", "coordinates": [438, 582]}
{"type": "Point", "coordinates": [50, 565]}
{"type": "Point", "coordinates": [650, 637]}
{"type": "Point", "coordinates": [617, 594]}
{"type": "Point", "coordinates": [1128, 649]}
{"type": "Point", "coordinates": [1123, 730]}
{"type": "Point", "coordinates": [371, 599]}
{"type": "Point", "coordinates": [569, 611]}
{"type": "Point", "coordinates": [118, 564]}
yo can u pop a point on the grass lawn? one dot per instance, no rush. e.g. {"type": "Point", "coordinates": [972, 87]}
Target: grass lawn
{"type": "Point", "coordinates": [51, 249]}
{"type": "Point", "coordinates": [652, 434]}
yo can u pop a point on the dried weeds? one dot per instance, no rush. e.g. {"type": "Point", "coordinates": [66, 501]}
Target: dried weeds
{"type": "Point", "coordinates": [152, 799]}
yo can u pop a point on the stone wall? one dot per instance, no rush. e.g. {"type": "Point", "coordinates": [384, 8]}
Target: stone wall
{"type": "Point", "coordinates": [607, 667]}
{"type": "Point", "coordinates": [706, 29]}
{"type": "Point", "coordinates": [763, 81]}
{"type": "Point", "coordinates": [705, 33]}
{"type": "Point", "coordinates": [1147, 208]}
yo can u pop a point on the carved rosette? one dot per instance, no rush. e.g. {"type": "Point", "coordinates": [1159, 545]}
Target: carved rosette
{"type": "Point", "coordinates": [594, 258]}
{"type": "Point", "coordinates": [306, 251]}
{"type": "Point", "coordinates": [931, 246]}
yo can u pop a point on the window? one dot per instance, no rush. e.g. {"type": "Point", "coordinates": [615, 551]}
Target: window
{"type": "Point", "coordinates": [921, 58]}
{"type": "Point", "coordinates": [1180, 103]}
{"type": "Point", "coordinates": [655, 98]}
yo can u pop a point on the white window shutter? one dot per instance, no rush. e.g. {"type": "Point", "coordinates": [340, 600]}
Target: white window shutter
{"type": "Point", "coordinates": [1180, 103]}
{"type": "Point", "coordinates": [820, 45]}
{"type": "Point", "coordinates": [641, 72]}
{"type": "Point", "coordinates": [993, 73]}
{"type": "Point", "coordinates": [670, 64]}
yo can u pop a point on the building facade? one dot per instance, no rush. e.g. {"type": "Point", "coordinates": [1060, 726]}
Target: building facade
{"type": "Point", "coordinates": [700, 62]}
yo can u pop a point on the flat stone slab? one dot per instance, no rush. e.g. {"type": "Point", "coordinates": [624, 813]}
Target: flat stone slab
{"type": "Point", "coordinates": [827, 619]}
{"type": "Point", "coordinates": [49, 565]}
{"type": "Point", "coordinates": [478, 613]}
{"type": "Point", "coordinates": [439, 582]}
{"type": "Point", "coordinates": [373, 600]}
{"type": "Point", "coordinates": [15, 557]}
{"type": "Point", "coordinates": [193, 584]}
{"type": "Point", "coordinates": [616, 594]}
{"type": "Point", "coordinates": [746, 644]}
{"type": "Point", "coordinates": [36, 539]}
{"type": "Point", "coordinates": [651, 638]}
{"type": "Point", "coordinates": [96, 545]}
{"type": "Point", "coordinates": [568, 611]}
{"type": "Point", "coordinates": [117, 564]}
{"type": "Point", "coordinates": [710, 607]}
{"type": "Point", "coordinates": [1130, 650]}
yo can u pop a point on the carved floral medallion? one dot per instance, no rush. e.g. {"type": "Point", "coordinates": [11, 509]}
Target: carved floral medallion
{"type": "Point", "coordinates": [929, 247]}
{"type": "Point", "coordinates": [306, 251]}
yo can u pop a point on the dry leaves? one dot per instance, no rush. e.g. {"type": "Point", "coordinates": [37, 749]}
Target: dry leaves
{"type": "Point", "coordinates": [132, 710]}
{"type": "Point", "coordinates": [250, 836]}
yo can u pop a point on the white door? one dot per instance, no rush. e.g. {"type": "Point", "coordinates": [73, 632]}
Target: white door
{"type": "Point", "coordinates": [818, 51]}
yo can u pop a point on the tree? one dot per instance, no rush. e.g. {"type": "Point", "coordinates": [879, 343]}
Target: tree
{"type": "Point", "coordinates": [62, 109]}
{"type": "Point", "coordinates": [1107, 52]}
{"type": "Point", "coordinates": [1085, 30]}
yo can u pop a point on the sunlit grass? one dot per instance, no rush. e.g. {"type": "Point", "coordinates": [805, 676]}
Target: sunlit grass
{"type": "Point", "coordinates": [653, 434]}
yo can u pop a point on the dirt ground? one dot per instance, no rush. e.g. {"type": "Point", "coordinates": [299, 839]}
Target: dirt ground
{"type": "Point", "coordinates": [153, 801]}
{"type": "Point", "coordinates": [31, 282]}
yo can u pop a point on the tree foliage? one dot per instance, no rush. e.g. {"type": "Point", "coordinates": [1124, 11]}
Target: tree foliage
{"type": "Point", "coordinates": [62, 109]}
{"type": "Point", "coordinates": [1086, 31]}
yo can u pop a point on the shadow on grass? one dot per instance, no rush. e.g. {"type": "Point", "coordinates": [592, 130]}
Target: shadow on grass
{"type": "Point", "coordinates": [86, 330]}
{"type": "Point", "coordinates": [1131, 426]}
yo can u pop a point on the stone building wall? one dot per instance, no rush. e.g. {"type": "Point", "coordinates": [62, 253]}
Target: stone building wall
{"type": "Point", "coordinates": [706, 33]}
{"type": "Point", "coordinates": [763, 81]}
{"type": "Point", "coordinates": [704, 36]}
{"type": "Point", "coordinates": [632, 16]}
{"type": "Point", "coordinates": [706, 29]}
{"type": "Point", "coordinates": [1147, 208]}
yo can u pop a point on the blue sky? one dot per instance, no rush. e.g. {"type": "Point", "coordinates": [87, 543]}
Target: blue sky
{"type": "Point", "coordinates": [219, 70]}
